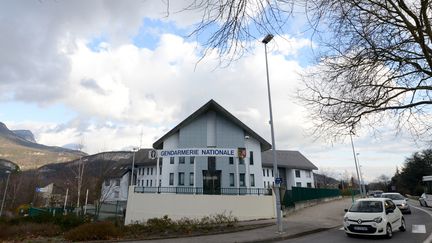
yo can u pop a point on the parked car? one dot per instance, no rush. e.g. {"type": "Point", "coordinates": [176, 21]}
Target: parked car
{"type": "Point", "coordinates": [377, 193]}
{"type": "Point", "coordinates": [373, 216]}
{"type": "Point", "coordinates": [399, 200]}
{"type": "Point", "coordinates": [422, 200]}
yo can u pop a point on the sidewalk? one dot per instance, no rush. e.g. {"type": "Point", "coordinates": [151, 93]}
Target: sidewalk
{"type": "Point", "coordinates": [306, 221]}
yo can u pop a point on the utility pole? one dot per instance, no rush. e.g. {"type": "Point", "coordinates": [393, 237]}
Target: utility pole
{"type": "Point", "coordinates": [85, 206]}
{"type": "Point", "coordinates": [65, 202]}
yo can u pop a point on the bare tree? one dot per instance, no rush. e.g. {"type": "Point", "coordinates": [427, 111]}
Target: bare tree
{"type": "Point", "coordinates": [376, 64]}
{"type": "Point", "coordinates": [373, 62]}
{"type": "Point", "coordinates": [233, 24]}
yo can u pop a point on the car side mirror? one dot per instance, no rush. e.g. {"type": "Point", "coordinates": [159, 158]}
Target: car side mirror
{"type": "Point", "coordinates": [346, 210]}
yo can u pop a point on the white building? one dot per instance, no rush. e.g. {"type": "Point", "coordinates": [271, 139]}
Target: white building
{"type": "Point", "coordinates": [294, 169]}
{"type": "Point", "coordinates": [211, 153]}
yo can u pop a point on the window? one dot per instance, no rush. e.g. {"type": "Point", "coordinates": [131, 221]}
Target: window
{"type": "Point", "coordinates": [117, 182]}
{"type": "Point", "coordinates": [272, 172]}
{"type": "Point", "coordinates": [252, 180]}
{"type": "Point", "coordinates": [172, 160]}
{"type": "Point", "coordinates": [231, 160]}
{"type": "Point", "coordinates": [191, 179]}
{"type": "Point", "coordinates": [264, 184]}
{"type": "Point", "coordinates": [148, 171]}
{"type": "Point", "coordinates": [251, 162]}
{"type": "Point", "coordinates": [192, 160]}
{"type": "Point", "coordinates": [171, 179]}
{"type": "Point", "coordinates": [297, 173]}
{"type": "Point", "coordinates": [308, 174]}
{"type": "Point", "coordinates": [231, 175]}
{"type": "Point", "coordinates": [160, 170]}
{"type": "Point", "coordinates": [181, 178]}
{"type": "Point", "coordinates": [116, 194]}
{"type": "Point", "coordinates": [160, 182]}
{"type": "Point", "coordinates": [267, 172]}
{"type": "Point", "coordinates": [241, 161]}
{"type": "Point", "coordinates": [151, 171]}
{"type": "Point", "coordinates": [309, 185]}
{"type": "Point", "coordinates": [242, 179]}
{"type": "Point", "coordinates": [151, 183]}
{"type": "Point", "coordinates": [107, 182]}
{"type": "Point", "coordinates": [298, 184]}
{"type": "Point", "coordinates": [181, 160]}
{"type": "Point", "coordinates": [263, 172]}
{"type": "Point", "coordinates": [146, 183]}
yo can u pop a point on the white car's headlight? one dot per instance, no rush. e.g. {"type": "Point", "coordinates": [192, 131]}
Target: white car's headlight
{"type": "Point", "coordinates": [403, 204]}
{"type": "Point", "coordinates": [377, 220]}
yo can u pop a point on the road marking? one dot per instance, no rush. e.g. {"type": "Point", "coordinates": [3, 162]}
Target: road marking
{"type": "Point", "coordinates": [342, 228]}
{"type": "Point", "coordinates": [429, 239]}
{"type": "Point", "coordinates": [418, 229]}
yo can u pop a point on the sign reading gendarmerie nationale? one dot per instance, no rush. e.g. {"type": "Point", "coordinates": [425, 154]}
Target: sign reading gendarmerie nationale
{"type": "Point", "coordinates": [218, 152]}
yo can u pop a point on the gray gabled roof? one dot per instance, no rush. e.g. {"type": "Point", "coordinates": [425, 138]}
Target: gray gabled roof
{"type": "Point", "coordinates": [287, 159]}
{"type": "Point", "coordinates": [212, 105]}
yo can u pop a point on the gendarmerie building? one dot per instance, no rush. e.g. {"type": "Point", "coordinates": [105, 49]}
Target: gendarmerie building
{"type": "Point", "coordinates": [211, 153]}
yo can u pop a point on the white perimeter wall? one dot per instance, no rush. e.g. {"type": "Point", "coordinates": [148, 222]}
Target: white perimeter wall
{"type": "Point", "coordinates": [142, 206]}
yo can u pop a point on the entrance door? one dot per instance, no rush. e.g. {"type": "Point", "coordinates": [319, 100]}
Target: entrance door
{"type": "Point", "coordinates": [211, 182]}
{"type": "Point", "coordinates": [211, 178]}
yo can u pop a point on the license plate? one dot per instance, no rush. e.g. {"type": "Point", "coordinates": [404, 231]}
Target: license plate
{"type": "Point", "coordinates": [360, 228]}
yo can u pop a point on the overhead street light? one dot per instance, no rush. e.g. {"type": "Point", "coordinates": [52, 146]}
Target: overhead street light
{"type": "Point", "coordinates": [5, 191]}
{"type": "Point", "coordinates": [134, 150]}
{"type": "Point", "coordinates": [266, 40]}
{"type": "Point", "coordinates": [356, 166]}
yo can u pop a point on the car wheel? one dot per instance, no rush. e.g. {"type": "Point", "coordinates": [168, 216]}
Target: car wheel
{"type": "Point", "coordinates": [421, 203]}
{"type": "Point", "coordinates": [403, 225]}
{"type": "Point", "coordinates": [389, 231]}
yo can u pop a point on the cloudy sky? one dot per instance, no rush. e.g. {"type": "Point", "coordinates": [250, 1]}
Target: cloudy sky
{"type": "Point", "coordinates": [105, 72]}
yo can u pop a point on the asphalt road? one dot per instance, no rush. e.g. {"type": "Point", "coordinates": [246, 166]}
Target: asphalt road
{"type": "Point", "coordinates": [414, 232]}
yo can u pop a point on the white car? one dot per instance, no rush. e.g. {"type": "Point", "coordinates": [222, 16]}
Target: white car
{"type": "Point", "coordinates": [399, 200]}
{"type": "Point", "coordinates": [373, 216]}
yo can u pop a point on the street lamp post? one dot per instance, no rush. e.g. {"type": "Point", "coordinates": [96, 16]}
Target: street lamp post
{"type": "Point", "coordinates": [5, 191]}
{"type": "Point", "coordinates": [133, 166]}
{"type": "Point", "coordinates": [266, 40]}
{"type": "Point", "coordinates": [356, 165]}
{"type": "Point", "coordinates": [361, 175]}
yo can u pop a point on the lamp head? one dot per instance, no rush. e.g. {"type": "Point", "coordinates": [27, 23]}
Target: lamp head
{"type": "Point", "coordinates": [267, 39]}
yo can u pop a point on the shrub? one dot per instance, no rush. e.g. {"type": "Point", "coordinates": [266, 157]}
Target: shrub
{"type": "Point", "coordinates": [188, 226]}
{"type": "Point", "coordinates": [93, 231]}
{"type": "Point", "coordinates": [158, 225]}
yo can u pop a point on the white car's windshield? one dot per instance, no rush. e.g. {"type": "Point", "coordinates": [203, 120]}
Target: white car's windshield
{"type": "Point", "coordinates": [367, 207]}
{"type": "Point", "coordinates": [393, 196]}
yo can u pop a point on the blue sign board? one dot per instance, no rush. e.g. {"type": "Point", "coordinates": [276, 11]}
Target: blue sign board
{"type": "Point", "coordinates": [278, 180]}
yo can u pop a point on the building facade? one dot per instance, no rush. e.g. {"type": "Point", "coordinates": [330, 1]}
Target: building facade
{"type": "Point", "coordinates": [247, 170]}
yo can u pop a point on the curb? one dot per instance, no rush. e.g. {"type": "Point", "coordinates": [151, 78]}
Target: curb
{"type": "Point", "coordinates": [293, 236]}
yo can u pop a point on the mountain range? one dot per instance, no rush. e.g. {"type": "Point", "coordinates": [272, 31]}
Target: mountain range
{"type": "Point", "coordinates": [20, 147]}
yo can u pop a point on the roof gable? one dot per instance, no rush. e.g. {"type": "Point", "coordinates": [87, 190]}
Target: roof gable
{"type": "Point", "coordinates": [214, 106]}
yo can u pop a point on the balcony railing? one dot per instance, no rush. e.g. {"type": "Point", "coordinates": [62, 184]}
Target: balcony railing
{"type": "Point", "coordinates": [200, 190]}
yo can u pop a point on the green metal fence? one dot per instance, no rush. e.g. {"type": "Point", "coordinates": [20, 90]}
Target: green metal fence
{"type": "Point", "coordinates": [298, 194]}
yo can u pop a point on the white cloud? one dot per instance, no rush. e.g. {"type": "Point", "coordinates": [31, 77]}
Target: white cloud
{"type": "Point", "coordinates": [122, 89]}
